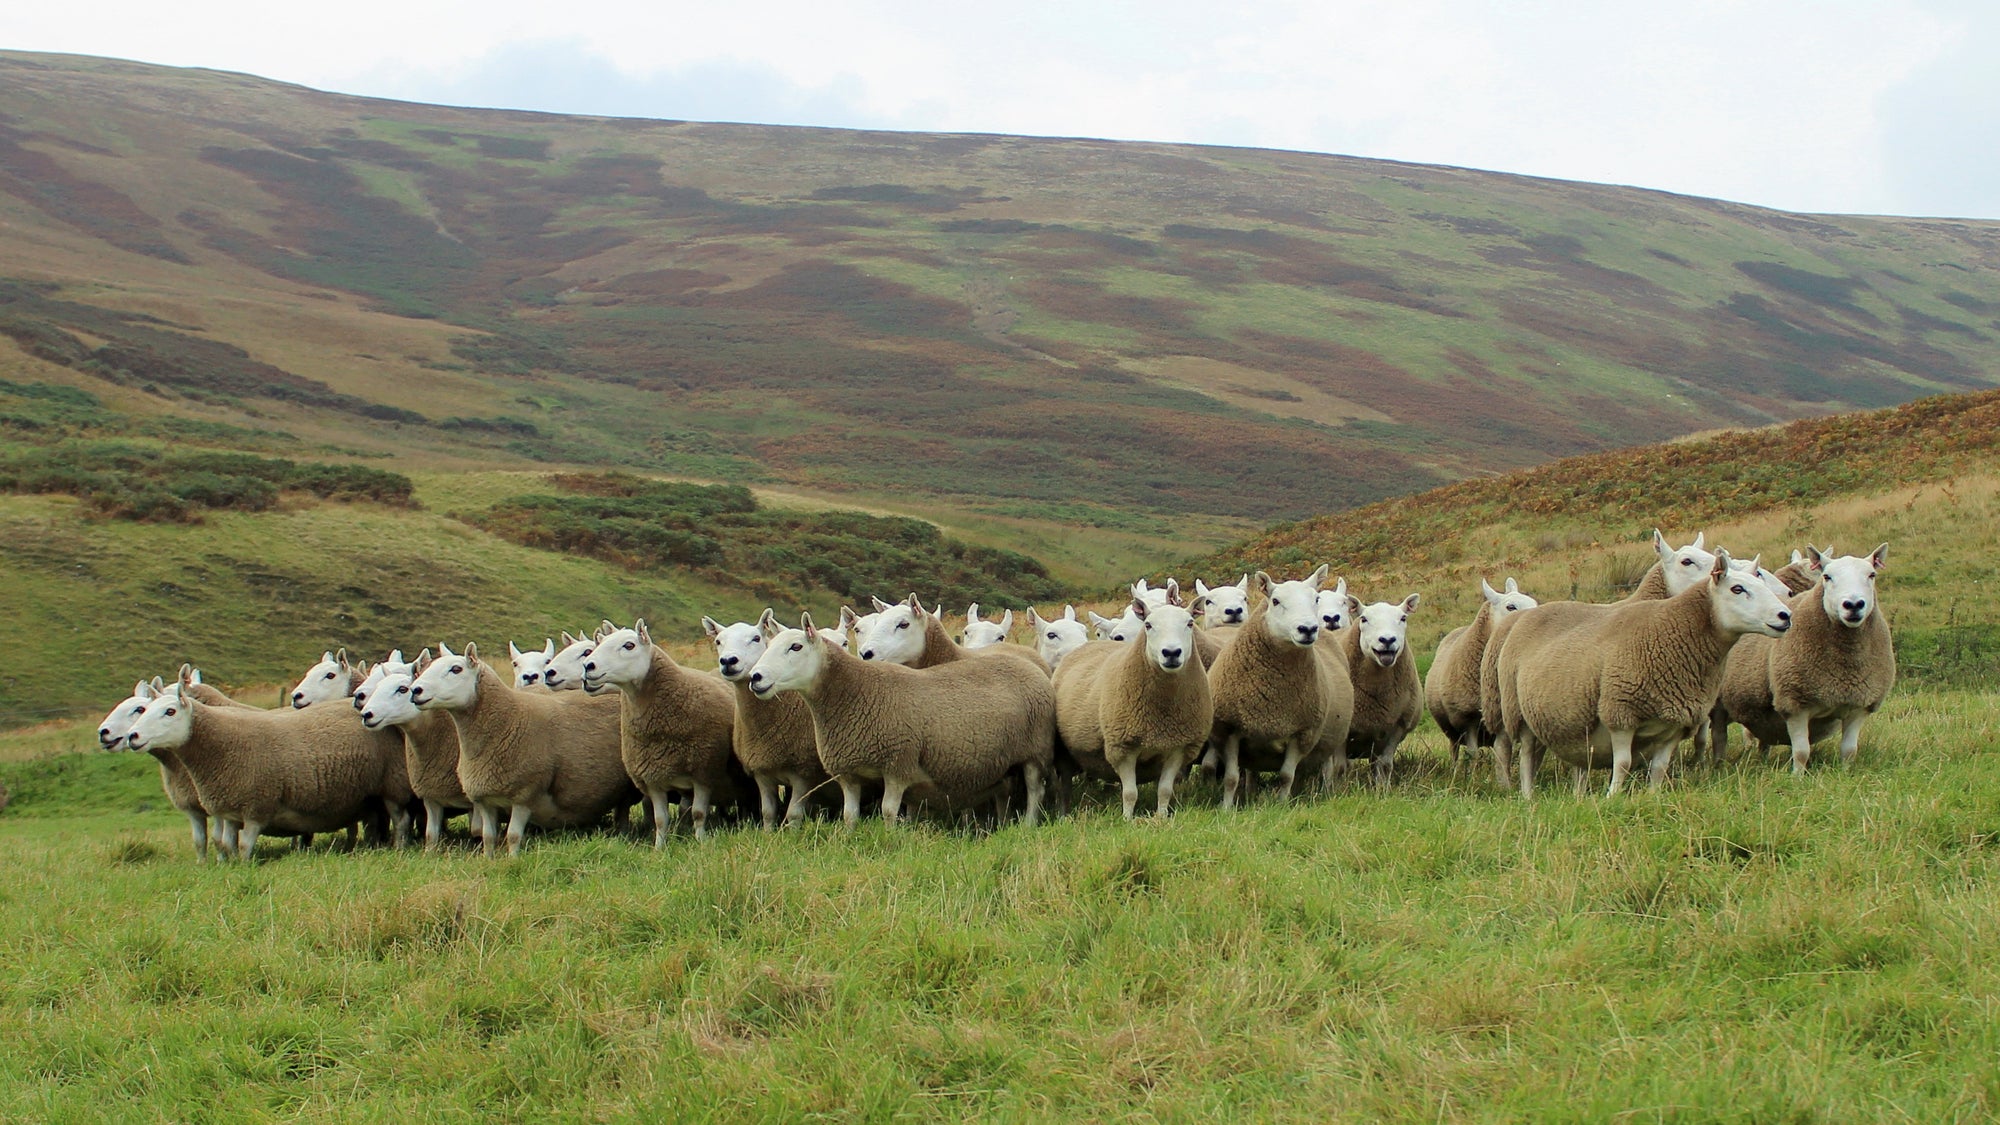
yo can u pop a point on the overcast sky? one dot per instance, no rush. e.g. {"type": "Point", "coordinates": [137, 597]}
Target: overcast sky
{"type": "Point", "coordinates": [1878, 106]}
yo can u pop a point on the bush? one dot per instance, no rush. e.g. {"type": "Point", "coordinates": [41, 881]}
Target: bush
{"type": "Point", "coordinates": [126, 481]}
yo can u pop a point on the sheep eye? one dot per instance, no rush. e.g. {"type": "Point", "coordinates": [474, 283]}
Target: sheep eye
{"type": "Point", "coordinates": [1687, 562]}
{"type": "Point", "coordinates": [170, 712]}
{"type": "Point", "coordinates": [1051, 636]}
{"type": "Point", "coordinates": [1736, 589]}
{"type": "Point", "coordinates": [902, 624]}
{"type": "Point", "coordinates": [404, 690]}
{"type": "Point", "coordinates": [629, 646]}
{"type": "Point", "coordinates": [797, 647]}
{"type": "Point", "coordinates": [329, 675]}
{"type": "Point", "coordinates": [457, 669]}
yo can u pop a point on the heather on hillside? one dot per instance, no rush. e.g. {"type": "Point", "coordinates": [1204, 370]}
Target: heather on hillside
{"type": "Point", "coordinates": [123, 480]}
{"type": "Point", "coordinates": [721, 533]}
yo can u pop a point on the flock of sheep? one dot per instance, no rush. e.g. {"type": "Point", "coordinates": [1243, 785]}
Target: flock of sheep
{"type": "Point", "coordinates": [1260, 678]}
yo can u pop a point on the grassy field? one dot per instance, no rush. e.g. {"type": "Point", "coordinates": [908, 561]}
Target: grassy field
{"type": "Point", "coordinates": [1743, 946]}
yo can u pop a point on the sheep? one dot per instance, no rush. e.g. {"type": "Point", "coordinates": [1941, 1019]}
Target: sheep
{"type": "Point", "coordinates": [530, 664]}
{"type": "Point", "coordinates": [951, 735]}
{"type": "Point", "coordinates": [1271, 691]}
{"type": "Point", "coordinates": [979, 633]}
{"type": "Point", "coordinates": [853, 626]}
{"type": "Point", "coordinates": [906, 633]}
{"type": "Point", "coordinates": [773, 738]}
{"type": "Point", "coordinates": [1797, 575]}
{"type": "Point", "coordinates": [1675, 569]}
{"type": "Point", "coordinates": [1452, 688]}
{"type": "Point", "coordinates": [552, 758]}
{"type": "Point", "coordinates": [291, 771]}
{"type": "Point", "coordinates": [1388, 698]}
{"type": "Point", "coordinates": [1830, 672]}
{"type": "Point", "coordinates": [391, 665]}
{"type": "Point", "coordinates": [1627, 678]}
{"type": "Point", "coordinates": [564, 671]}
{"type": "Point", "coordinates": [675, 724]}
{"type": "Point", "coordinates": [332, 678]}
{"type": "Point", "coordinates": [1143, 702]}
{"type": "Point", "coordinates": [430, 748]}
{"type": "Point", "coordinates": [1056, 637]}
{"type": "Point", "coordinates": [1222, 605]}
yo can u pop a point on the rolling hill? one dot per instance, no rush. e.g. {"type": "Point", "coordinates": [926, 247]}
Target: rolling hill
{"type": "Point", "coordinates": [1061, 332]}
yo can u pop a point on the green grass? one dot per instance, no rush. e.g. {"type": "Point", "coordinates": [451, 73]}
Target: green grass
{"type": "Point", "coordinates": [1744, 946]}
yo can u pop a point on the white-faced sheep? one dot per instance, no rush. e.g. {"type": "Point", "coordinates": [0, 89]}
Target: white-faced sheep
{"type": "Point", "coordinates": [332, 678]}
{"type": "Point", "coordinates": [674, 723]}
{"type": "Point", "coordinates": [1828, 673]}
{"type": "Point", "coordinates": [1271, 685]}
{"type": "Point", "coordinates": [552, 758]}
{"type": "Point", "coordinates": [1227, 604]}
{"type": "Point", "coordinates": [1141, 704]}
{"type": "Point", "coordinates": [772, 737]}
{"type": "Point", "coordinates": [1603, 684]}
{"type": "Point", "coordinates": [908, 634]}
{"type": "Point", "coordinates": [1388, 697]}
{"type": "Point", "coordinates": [430, 747]}
{"type": "Point", "coordinates": [949, 735]}
{"type": "Point", "coordinates": [1452, 687]}
{"type": "Point", "coordinates": [564, 671]}
{"type": "Point", "coordinates": [391, 665]}
{"type": "Point", "coordinates": [980, 633]}
{"type": "Point", "coordinates": [289, 771]}
{"type": "Point", "coordinates": [1056, 637]}
{"type": "Point", "coordinates": [531, 664]}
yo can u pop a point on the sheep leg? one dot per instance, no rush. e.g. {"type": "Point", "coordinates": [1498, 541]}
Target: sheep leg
{"type": "Point", "coordinates": [892, 798]}
{"type": "Point", "coordinates": [767, 798]}
{"type": "Point", "coordinates": [850, 800]}
{"type": "Point", "coordinates": [1850, 738]}
{"type": "Point", "coordinates": [1232, 774]}
{"type": "Point", "coordinates": [1656, 765]}
{"type": "Point", "coordinates": [1799, 726]}
{"type": "Point", "coordinates": [701, 799]}
{"type": "Point", "coordinates": [353, 836]}
{"type": "Point", "coordinates": [517, 829]}
{"type": "Point", "coordinates": [304, 841]}
{"type": "Point", "coordinates": [1289, 770]}
{"type": "Point", "coordinates": [1718, 736]}
{"type": "Point", "coordinates": [1703, 743]}
{"type": "Point", "coordinates": [225, 838]}
{"type": "Point", "coordinates": [1501, 767]}
{"type": "Point", "coordinates": [1128, 780]}
{"type": "Point", "coordinates": [198, 826]}
{"type": "Point", "coordinates": [246, 841]}
{"type": "Point", "coordinates": [657, 801]}
{"type": "Point", "coordinates": [433, 824]}
{"type": "Point", "coordinates": [1528, 760]}
{"type": "Point", "coordinates": [1621, 760]}
{"type": "Point", "coordinates": [1170, 769]}
{"type": "Point", "coordinates": [1211, 759]}
{"type": "Point", "coordinates": [399, 826]}
{"type": "Point", "coordinates": [795, 809]}
{"type": "Point", "coordinates": [489, 828]}
{"type": "Point", "coordinates": [1033, 781]}
{"type": "Point", "coordinates": [1385, 760]}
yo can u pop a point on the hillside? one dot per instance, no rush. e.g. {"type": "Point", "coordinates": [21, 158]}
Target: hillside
{"type": "Point", "coordinates": [1925, 477]}
{"type": "Point", "coordinates": [1054, 331]}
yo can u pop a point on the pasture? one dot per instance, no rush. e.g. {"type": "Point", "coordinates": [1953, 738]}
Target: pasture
{"type": "Point", "coordinates": [1741, 946]}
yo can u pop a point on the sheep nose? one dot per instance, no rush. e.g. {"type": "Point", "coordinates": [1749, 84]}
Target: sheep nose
{"type": "Point", "coordinates": [729, 661]}
{"type": "Point", "coordinates": [367, 716]}
{"type": "Point", "coordinates": [298, 697]}
{"type": "Point", "coordinates": [132, 739]}
{"type": "Point", "coordinates": [1854, 605]}
{"type": "Point", "coordinates": [1171, 655]}
{"type": "Point", "coordinates": [103, 735]}
{"type": "Point", "coordinates": [1309, 632]}
{"type": "Point", "coordinates": [1785, 615]}
{"type": "Point", "coordinates": [866, 654]}
{"type": "Point", "coordinates": [590, 667]}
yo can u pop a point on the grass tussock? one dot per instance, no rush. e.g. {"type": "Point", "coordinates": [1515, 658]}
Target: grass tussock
{"type": "Point", "coordinates": [1742, 946]}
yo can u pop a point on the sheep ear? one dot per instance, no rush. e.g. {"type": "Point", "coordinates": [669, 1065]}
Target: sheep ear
{"type": "Point", "coordinates": [1138, 608]}
{"type": "Point", "coordinates": [1487, 591]}
{"type": "Point", "coordinates": [326, 657]}
{"type": "Point", "coordinates": [1353, 606]}
{"type": "Point", "coordinates": [1035, 619]}
{"type": "Point", "coordinates": [1340, 590]}
{"type": "Point", "coordinates": [1720, 570]}
{"type": "Point", "coordinates": [513, 654]}
{"type": "Point", "coordinates": [1264, 583]}
{"type": "Point", "coordinates": [341, 656]}
{"type": "Point", "coordinates": [159, 685]}
{"type": "Point", "coordinates": [1006, 622]}
{"type": "Point", "coordinates": [395, 657]}
{"type": "Point", "coordinates": [806, 623]}
{"type": "Point", "coordinates": [1069, 613]}
{"type": "Point", "coordinates": [1814, 559]}
{"type": "Point", "coordinates": [142, 690]}
{"type": "Point", "coordinates": [880, 605]}
{"type": "Point", "coordinates": [423, 662]}
{"type": "Point", "coordinates": [1798, 557]}
{"type": "Point", "coordinates": [1200, 588]}
{"type": "Point", "coordinates": [568, 640]}
{"type": "Point", "coordinates": [1661, 547]}
{"type": "Point", "coordinates": [186, 677]}
{"type": "Point", "coordinates": [471, 652]}
{"type": "Point", "coordinates": [710, 626]}
{"type": "Point", "coordinates": [1513, 587]}
{"type": "Point", "coordinates": [1410, 603]}
{"type": "Point", "coordinates": [1096, 620]}
{"type": "Point", "coordinates": [767, 624]}
{"type": "Point", "coordinates": [1879, 557]}
{"type": "Point", "coordinates": [848, 618]}
{"type": "Point", "coordinates": [1173, 592]}
{"type": "Point", "coordinates": [444, 650]}
{"type": "Point", "coordinates": [1140, 587]}
{"type": "Point", "coordinates": [1318, 576]}
{"type": "Point", "coordinates": [1700, 539]}
{"type": "Point", "coordinates": [972, 612]}
{"type": "Point", "coordinates": [548, 648]}
{"type": "Point", "coordinates": [645, 635]}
